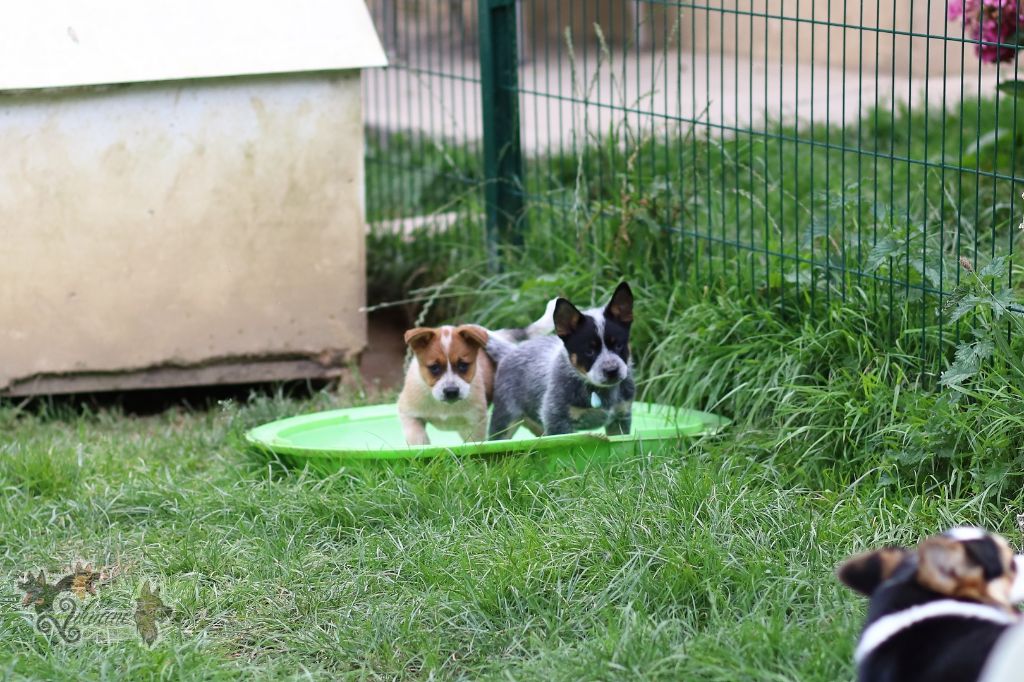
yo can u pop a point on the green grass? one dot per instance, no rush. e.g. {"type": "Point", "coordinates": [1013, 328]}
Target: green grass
{"type": "Point", "coordinates": [705, 563]}
{"type": "Point", "coordinates": [713, 561]}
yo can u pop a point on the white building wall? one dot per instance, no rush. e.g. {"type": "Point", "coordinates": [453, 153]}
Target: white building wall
{"type": "Point", "coordinates": [185, 225]}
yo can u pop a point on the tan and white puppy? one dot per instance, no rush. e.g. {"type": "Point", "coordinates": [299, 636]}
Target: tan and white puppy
{"type": "Point", "coordinates": [448, 383]}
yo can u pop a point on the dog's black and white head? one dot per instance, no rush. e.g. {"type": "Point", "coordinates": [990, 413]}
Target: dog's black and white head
{"type": "Point", "coordinates": [940, 606]}
{"type": "Point", "coordinates": [597, 340]}
{"type": "Point", "coordinates": [963, 563]}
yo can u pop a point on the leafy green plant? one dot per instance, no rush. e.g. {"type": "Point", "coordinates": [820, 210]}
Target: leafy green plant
{"type": "Point", "coordinates": [995, 316]}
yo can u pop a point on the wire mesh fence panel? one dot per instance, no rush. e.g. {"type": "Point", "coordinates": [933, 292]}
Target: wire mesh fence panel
{"type": "Point", "coordinates": [424, 203]}
{"type": "Point", "coordinates": [812, 151]}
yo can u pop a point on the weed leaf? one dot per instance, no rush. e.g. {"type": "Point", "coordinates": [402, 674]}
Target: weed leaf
{"type": "Point", "coordinates": [995, 269]}
{"type": "Point", "coordinates": [966, 363]}
{"type": "Point", "coordinates": [1015, 88]}
{"type": "Point", "coordinates": [881, 252]}
{"type": "Point", "coordinates": [965, 305]}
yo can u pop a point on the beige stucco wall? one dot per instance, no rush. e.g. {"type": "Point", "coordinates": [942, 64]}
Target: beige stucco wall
{"type": "Point", "coordinates": [182, 225]}
{"type": "Point", "coordinates": [733, 28]}
{"type": "Point", "coordinates": [826, 32]}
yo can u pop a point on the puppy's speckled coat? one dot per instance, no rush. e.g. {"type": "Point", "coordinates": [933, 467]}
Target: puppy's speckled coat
{"type": "Point", "coordinates": [579, 379]}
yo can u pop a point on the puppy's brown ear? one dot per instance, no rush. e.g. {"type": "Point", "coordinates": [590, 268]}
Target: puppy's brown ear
{"type": "Point", "coordinates": [865, 572]}
{"type": "Point", "coordinates": [473, 335]}
{"type": "Point", "coordinates": [420, 337]}
{"type": "Point", "coordinates": [566, 317]}
{"type": "Point", "coordinates": [620, 308]}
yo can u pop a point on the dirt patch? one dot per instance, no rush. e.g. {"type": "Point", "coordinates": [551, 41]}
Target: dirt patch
{"type": "Point", "coordinates": [381, 365]}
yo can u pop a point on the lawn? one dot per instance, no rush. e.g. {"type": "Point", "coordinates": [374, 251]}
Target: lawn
{"type": "Point", "coordinates": [710, 560]}
{"type": "Point", "coordinates": [713, 560]}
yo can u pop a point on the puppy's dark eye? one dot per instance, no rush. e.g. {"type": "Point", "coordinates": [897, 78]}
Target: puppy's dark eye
{"type": "Point", "coordinates": [435, 369]}
{"type": "Point", "coordinates": [462, 366]}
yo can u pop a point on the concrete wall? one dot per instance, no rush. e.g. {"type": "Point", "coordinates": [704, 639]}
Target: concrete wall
{"type": "Point", "coordinates": [807, 40]}
{"type": "Point", "coordinates": [729, 26]}
{"type": "Point", "coordinates": [193, 231]}
{"type": "Point", "coordinates": [547, 21]}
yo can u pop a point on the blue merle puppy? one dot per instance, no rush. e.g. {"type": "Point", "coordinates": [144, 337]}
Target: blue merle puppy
{"type": "Point", "coordinates": [579, 379]}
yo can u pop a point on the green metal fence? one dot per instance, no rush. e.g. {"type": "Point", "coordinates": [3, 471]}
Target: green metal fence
{"type": "Point", "coordinates": [811, 150]}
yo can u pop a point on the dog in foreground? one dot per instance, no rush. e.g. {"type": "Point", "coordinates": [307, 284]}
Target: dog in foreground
{"type": "Point", "coordinates": [579, 379]}
{"type": "Point", "coordinates": [943, 611]}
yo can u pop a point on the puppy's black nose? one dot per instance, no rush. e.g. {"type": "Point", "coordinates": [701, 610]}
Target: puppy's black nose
{"type": "Point", "coordinates": [611, 371]}
{"type": "Point", "coordinates": [451, 393]}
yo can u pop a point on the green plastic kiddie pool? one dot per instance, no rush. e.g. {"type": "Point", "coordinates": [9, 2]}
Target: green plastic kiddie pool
{"type": "Point", "coordinates": [330, 440]}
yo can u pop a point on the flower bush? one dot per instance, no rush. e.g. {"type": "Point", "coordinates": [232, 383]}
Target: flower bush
{"type": "Point", "coordinates": [993, 23]}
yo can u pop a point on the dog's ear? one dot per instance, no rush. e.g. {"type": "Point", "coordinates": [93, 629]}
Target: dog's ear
{"type": "Point", "coordinates": [945, 566]}
{"type": "Point", "coordinates": [567, 318]}
{"type": "Point", "coordinates": [620, 308]}
{"type": "Point", "coordinates": [865, 572]}
{"type": "Point", "coordinates": [472, 334]}
{"type": "Point", "coordinates": [420, 337]}
{"type": "Point", "coordinates": [993, 559]}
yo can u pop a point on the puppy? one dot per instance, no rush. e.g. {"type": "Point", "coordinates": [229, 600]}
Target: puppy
{"type": "Point", "coordinates": [448, 383]}
{"type": "Point", "coordinates": [579, 379]}
{"type": "Point", "coordinates": [937, 611]}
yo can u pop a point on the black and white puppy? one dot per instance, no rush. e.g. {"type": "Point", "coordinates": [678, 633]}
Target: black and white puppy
{"type": "Point", "coordinates": [579, 379]}
{"type": "Point", "coordinates": [937, 611]}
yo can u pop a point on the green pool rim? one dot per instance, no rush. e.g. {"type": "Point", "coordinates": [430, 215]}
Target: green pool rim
{"type": "Point", "coordinates": [277, 437]}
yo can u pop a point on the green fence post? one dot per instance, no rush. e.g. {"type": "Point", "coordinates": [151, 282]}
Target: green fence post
{"type": "Point", "coordinates": [503, 155]}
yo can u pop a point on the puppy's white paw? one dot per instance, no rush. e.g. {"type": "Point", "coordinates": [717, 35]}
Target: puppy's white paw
{"type": "Point", "coordinates": [415, 431]}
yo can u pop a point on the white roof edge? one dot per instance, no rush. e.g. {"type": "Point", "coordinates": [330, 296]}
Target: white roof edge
{"type": "Point", "coordinates": [72, 43]}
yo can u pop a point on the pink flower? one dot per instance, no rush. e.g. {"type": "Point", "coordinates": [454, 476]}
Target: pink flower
{"type": "Point", "coordinates": [992, 23]}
